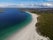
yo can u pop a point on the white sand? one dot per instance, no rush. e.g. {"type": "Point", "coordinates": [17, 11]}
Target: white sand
{"type": "Point", "coordinates": [28, 33]}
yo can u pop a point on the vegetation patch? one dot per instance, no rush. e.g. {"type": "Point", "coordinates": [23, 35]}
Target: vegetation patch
{"type": "Point", "coordinates": [45, 23]}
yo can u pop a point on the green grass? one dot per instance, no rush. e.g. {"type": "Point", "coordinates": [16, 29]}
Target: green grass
{"type": "Point", "coordinates": [45, 24]}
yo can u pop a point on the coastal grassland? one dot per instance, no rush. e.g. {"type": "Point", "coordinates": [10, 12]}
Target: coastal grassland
{"type": "Point", "coordinates": [45, 23]}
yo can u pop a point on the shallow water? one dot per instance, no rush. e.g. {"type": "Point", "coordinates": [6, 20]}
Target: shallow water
{"type": "Point", "coordinates": [12, 19]}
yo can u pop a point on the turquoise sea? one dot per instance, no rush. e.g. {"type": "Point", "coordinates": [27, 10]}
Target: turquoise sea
{"type": "Point", "coordinates": [12, 20]}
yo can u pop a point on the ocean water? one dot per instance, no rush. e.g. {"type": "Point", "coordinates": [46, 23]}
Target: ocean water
{"type": "Point", "coordinates": [12, 20]}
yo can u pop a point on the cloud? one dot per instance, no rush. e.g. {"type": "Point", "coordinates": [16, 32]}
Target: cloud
{"type": "Point", "coordinates": [28, 5]}
{"type": "Point", "coordinates": [6, 4]}
{"type": "Point", "coordinates": [48, 5]}
{"type": "Point", "coordinates": [20, 5]}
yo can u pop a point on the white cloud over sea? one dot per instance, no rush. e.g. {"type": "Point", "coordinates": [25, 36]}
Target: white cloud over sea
{"type": "Point", "coordinates": [28, 5]}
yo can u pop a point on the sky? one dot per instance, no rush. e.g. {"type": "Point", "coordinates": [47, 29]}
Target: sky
{"type": "Point", "coordinates": [23, 1]}
{"type": "Point", "coordinates": [27, 3]}
{"type": "Point", "coordinates": [19, 1]}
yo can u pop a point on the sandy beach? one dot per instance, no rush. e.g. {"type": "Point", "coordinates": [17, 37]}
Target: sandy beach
{"type": "Point", "coordinates": [28, 32]}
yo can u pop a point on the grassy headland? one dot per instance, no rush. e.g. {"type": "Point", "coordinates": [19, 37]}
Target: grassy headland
{"type": "Point", "coordinates": [45, 23]}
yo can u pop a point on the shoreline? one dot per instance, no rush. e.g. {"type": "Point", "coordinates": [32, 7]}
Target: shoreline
{"type": "Point", "coordinates": [13, 29]}
{"type": "Point", "coordinates": [29, 32]}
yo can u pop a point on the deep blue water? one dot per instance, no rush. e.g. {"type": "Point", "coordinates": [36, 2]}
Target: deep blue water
{"type": "Point", "coordinates": [12, 19]}
{"type": "Point", "coordinates": [11, 16]}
